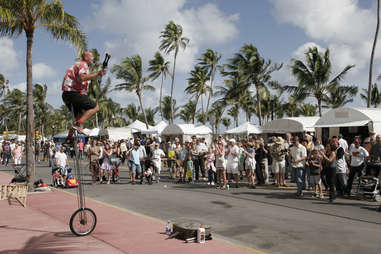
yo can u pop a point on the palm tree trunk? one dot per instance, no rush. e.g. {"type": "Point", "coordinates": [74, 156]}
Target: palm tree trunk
{"type": "Point", "coordinates": [161, 94]}
{"type": "Point", "coordinates": [19, 123]}
{"type": "Point", "coordinates": [372, 54]}
{"type": "Point", "coordinates": [195, 109]}
{"type": "Point", "coordinates": [30, 115]}
{"type": "Point", "coordinates": [96, 119]}
{"type": "Point", "coordinates": [173, 82]}
{"type": "Point", "coordinates": [259, 106]}
{"type": "Point", "coordinates": [202, 110]}
{"type": "Point", "coordinates": [319, 105]}
{"type": "Point", "coordinates": [211, 88]}
{"type": "Point", "coordinates": [141, 105]}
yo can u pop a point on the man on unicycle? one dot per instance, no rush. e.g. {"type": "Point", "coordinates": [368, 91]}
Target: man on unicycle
{"type": "Point", "coordinates": [74, 87]}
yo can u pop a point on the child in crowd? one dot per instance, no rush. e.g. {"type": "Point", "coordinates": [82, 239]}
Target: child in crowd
{"type": "Point", "coordinates": [189, 168]}
{"type": "Point", "coordinates": [69, 174]}
{"type": "Point", "coordinates": [212, 174]}
{"type": "Point", "coordinates": [315, 164]}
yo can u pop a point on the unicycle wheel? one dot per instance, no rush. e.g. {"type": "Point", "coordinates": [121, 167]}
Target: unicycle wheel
{"type": "Point", "coordinates": [83, 222]}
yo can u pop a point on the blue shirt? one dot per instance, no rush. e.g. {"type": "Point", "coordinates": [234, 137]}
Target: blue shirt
{"type": "Point", "coordinates": [135, 157]}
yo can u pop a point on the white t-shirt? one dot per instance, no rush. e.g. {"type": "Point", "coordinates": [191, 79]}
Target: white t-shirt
{"type": "Point", "coordinates": [231, 157]}
{"type": "Point", "coordinates": [201, 148]}
{"type": "Point", "coordinates": [344, 144]}
{"type": "Point", "coordinates": [298, 152]}
{"type": "Point", "coordinates": [157, 154]}
{"type": "Point", "coordinates": [359, 158]}
{"type": "Point", "coordinates": [61, 159]}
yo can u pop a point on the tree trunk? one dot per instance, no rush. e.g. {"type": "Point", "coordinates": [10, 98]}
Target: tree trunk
{"type": "Point", "coordinates": [30, 114]}
{"type": "Point", "coordinates": [211, 87]}
{"type": "Point", "coordinates": [202, 110]}
{"type": "Point", "coordinates": [372, 55]}
{"type": "Point", "coordinates": [259, 106]}
{"type": "Point", "coordinates": [141, 105]}
{"type": "Point", "coordinates": [19, 123]}
{"type": "Point", "coordinates": [172, 85]}
{"type": "Point", "coordinates": [96, 119]}
{"type": "Point", "coordinates": [161, 94]}
{"type": "Point", "coordinates": [319, 105]}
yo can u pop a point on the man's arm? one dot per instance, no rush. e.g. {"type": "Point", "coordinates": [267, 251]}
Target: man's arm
{"type": "Point", "coordinates": [85, 77]}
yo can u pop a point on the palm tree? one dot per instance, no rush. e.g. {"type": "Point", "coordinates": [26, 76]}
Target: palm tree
{"type": "Point", "coordinates": [372, 55]}
{"type": "Point", "coordinates": [215, 116]}
{"type": "Point", "coordinates": [209, 61]}
{"type": "Point", "coordinates": [172, 40]}
{"type": "Point", "coordinates": [27, 16]}
{"type": "Point", "coordinates": [226, 122]}
{"type": "Point", "coordinates": [42, 109]}
{"type": "Point", "coordinates": [131, 112]}
{"type": "Point", "coordinates": [159, 67]}
{"type": "Point", "coordinates": [131, 71]}
{"type": "Point", "coordinates": [166, 106]}
{"type": "Point", "coordinates": [16, 107]}
{"type": "Point", "coordinates": [4, 86]}
{"type": "Point", "coordinates": [197, 87]}
{"type": "Point", "coordinates": [98, 92]}
{"type": "Point", "coordinates": [308, 109]}
{"type": "Point", "coordinates": [339, 96]}
{"type": "Point", "coordinates": [253, 69]}
{"type": "Point", "coordinates": [313, 77]}
{"type": "Point", "coordinates": [375, 96]}
{"type": "Point", "coordinates": [188, 112]}
{"type": "Point", "coordinates": [234, 113]}
{"type": "Point", "coordinates": [150, 113]}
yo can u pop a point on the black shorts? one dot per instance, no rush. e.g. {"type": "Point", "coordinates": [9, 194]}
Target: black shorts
{"type": "Point", "coordinates": [80, 102]}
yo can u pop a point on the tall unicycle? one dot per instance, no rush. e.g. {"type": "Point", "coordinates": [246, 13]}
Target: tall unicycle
{"type": "Point", "coordinates": [83, 220]}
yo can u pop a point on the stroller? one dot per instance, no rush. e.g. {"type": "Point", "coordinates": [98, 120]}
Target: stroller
{"type": "Point", "coordinates": [58, 176]}
{"type": "Point", "coordinates": [368, 188]}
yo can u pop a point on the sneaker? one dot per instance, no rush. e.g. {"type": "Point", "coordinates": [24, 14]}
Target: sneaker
{"type": "Point", "coordinates": [212, 183]}
{"type": "Point", "coordinates": [208, 183]}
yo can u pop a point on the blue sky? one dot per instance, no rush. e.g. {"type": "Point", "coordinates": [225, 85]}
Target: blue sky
{"type": "Point", "coordinates": [280, 29]}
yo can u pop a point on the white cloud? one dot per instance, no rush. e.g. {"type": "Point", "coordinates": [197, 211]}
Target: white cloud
{"type": "Point", "coordinates": [137, 25]}
{"type": "Point", "coordinates": [8, 56]}
{"type": "Point", "coordinates": [341, 25]}
{"type": "Point", "coordinates": [42, 71]}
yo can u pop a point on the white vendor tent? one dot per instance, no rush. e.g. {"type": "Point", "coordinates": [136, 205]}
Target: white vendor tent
{"type": "Point", "coordinates": [353, 121]}
{"type": "Point", "coordinates": [244, 129]}
{"type": "Point", "coordinates": [186, 131]}
{"type": "Point", "coordinates": [138, 126]}
{"type": "Point", "coordinates": [157, 129]}
{"type": "Point", "coordinates": [291, 125]}
{"type": "Point", "coordinates": [116, 134]}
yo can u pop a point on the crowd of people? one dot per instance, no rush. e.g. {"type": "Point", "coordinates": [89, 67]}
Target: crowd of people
{"type": "Point", "coordinates": [225, 163]}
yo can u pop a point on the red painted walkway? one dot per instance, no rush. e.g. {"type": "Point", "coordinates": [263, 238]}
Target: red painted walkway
{"type": "Point", "coordinates": [42, 228]}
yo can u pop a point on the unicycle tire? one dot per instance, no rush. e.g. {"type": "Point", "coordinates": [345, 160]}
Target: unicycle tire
{"type": "Point", "coordinates": [83, 222]}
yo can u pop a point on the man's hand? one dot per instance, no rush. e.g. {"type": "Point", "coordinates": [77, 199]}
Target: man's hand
{"type": "Point", "coordinates": [102, 72]}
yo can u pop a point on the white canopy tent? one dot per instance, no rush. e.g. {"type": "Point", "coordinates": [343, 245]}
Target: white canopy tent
{"type": "Point", "coordinates": [353, 118]}
{"type": "Point", "coordinates": [116, 134]}
{"type": "Point", "coordinates": [291, 125]}
{"type": "Point", "coordinates": [157, 129]}
{"type": "Point", "coordinates": [186, 131]}
{"type": "Point", "coordinates": [138, 126]}
{"type": "Point", "coordinates": [244, 129]}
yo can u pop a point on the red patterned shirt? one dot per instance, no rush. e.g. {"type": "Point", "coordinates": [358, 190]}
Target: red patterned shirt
{"type": "Point", "coordinates": [72, 80]}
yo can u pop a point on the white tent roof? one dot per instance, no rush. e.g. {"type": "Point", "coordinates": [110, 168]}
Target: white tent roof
{"type": "Point", "coordinates": [245, 128]}
{"type": "Point", "coordinates": [350, 116]}
{"type": "Point", "coordinates": [291, 125]}
{"type": "Point", "coordinates": [138, 125]}
{"type": "Point", "coordinates": [186, 129]}
{"type": "Point", "coordinates": [117, 133]}
{"type": "Point", "coordinates": [157, 129]}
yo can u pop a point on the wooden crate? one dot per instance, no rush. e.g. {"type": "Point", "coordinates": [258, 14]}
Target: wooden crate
{"type": "Point", "coordinates": [18, 192]}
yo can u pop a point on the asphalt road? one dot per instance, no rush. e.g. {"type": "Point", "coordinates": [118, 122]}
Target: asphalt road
{"type": "Point", "coordinates": [267, 219]}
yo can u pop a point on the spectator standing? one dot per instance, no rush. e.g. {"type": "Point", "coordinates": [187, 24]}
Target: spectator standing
{"type": "Point", "coordinates": [278, 153]}
{"type": "Point", "coordinates": [358, 155]}
{"type": "Point", "coordinates": [298, 155]}
{"type": "Point", "coordinates": [94, 152]}
{"type": "Point", "coordinates": [6, 153]}
{"type": "Point", "coordinates": [221, 163]}
{"type": "Point", "coordinates": [250, 165]}
{"type": "Point", "coordinates": [232, 161]}
{"type": "Point", "coordinates": [330, 158]}
{"type": "Point", "coordinates": [106, 166]}
{"type": "Point", "coordinates": [17, 154]}
{"type": "Point", "coordinates": [212, 172]}
{"type": "Point", "coordinates": [157, 154]}
{"type": "Point", "coordinates": [61, 162]}
{"type": "Point", "coordinates": [341, 170]}
{"type": "Point", "coordinates": [375, 158]}
{"type": "Point", "coordinates": [315, 164]}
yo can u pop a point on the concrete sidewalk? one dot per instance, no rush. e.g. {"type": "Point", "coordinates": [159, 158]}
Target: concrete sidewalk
{"type": "Point", "coordinates": [42, 227]}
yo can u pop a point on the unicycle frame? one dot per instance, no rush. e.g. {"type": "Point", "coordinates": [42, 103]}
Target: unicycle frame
{"type": "Point", "coordinates": [82, 209]}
